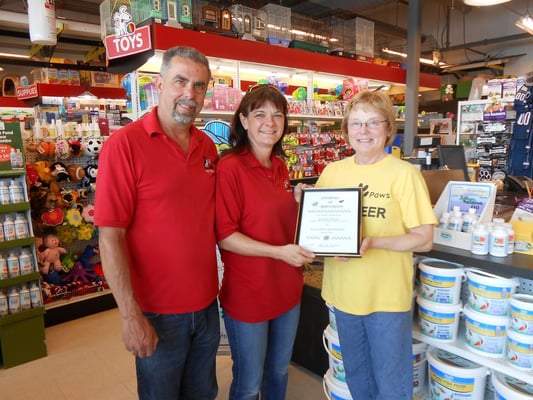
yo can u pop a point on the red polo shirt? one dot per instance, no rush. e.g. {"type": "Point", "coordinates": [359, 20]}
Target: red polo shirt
{"type": "Point", "coordinates": [164, 197]}
{"type": "Point", "coordinates": [259, 203]}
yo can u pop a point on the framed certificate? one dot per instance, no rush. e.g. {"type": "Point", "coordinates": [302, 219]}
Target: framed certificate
{"type": "Point", "coordinates": [329, 221]}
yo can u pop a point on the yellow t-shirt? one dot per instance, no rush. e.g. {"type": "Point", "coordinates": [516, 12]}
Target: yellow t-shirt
{"type": "Point", "coordinates": [395, 199]}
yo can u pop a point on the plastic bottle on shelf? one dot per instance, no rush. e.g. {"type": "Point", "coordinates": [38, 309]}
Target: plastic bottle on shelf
{"type": "Point", "coordinates": [9, 228]}
{"type": "Point", "coordinates": [468, 220]}
{"type": "Point", "coordinates": [13, 158]}
{"type": "Point", "coordinates": [16, 192]}
{"type": "Point", "coordinates": [13, 300]}
{"type": "Point", "coordinates": [60, 129]}
{"type": "Point", "coordinates": [498, 241]}
{"type": "Point", "coordinates": [480, 239]}
{"type": "Point", "coordinates": [52, 129]}
{"type": "Point", "coordinates": [4, 272]}
{"type": "Point", "coordinates": [444, 220]}
{"type": "Point", "coordinates": [37, 130]}
{"type": "Point", "coordinates": [4, 192]}
{"type": "Point", "coordinates": [35, 295]}
{"type": "Point", "coordinates": [456, 219]}
{"type": "Point", "coordinates": [4, 308]}
{"type": "Point", "coordinates": [21, 226]}
{"type": "Point", "coordinates": [510, 237]}
{"type": "Point", "coordinates": [13, 266]}
{"type": "Point", "coordinates": [25, 263]}
{"type": "Point", "coordinates": [25, 300]}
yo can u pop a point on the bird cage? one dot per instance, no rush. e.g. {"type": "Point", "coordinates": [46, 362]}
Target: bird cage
{"type": "Point", "coordinates": [249, 22]}
{"type": "Point", "coordinates": [308, 29]}
{"type": "Point", "coordinates": [278, 24]}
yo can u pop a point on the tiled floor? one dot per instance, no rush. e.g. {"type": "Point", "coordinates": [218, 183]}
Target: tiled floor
{"type": "Point", "coordinates": [86, 360]}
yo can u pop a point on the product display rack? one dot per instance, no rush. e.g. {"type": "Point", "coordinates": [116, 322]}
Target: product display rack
{"type": "Point", "coordinates": [484, 128]}
{"type": "Point", "coordinates": [22, 336]}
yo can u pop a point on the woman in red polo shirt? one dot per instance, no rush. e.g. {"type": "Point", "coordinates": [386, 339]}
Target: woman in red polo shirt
{"type": "Point", "coordinates": [256, 212]}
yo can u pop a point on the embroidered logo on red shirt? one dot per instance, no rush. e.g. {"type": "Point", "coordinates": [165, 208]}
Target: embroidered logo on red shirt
{"type": "Point", "coordinates": [208, 166]}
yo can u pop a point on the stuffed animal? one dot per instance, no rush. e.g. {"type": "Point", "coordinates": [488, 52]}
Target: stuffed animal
{"type": "Point", "coordinates": [51, 255]}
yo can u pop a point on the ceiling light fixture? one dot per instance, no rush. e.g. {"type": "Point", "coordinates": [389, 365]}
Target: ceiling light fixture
{"type": "Point", "coordinates": [422, 60]}
{"type": "Point", "coordinates": [526, 22]}
{"type": "Point", "coordinates": [483, 3]}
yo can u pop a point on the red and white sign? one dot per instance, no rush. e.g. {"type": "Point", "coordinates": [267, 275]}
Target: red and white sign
{"type": "Point", "coordinates": [136, 42]}
{"type": "Point", "coordinates": [27, 92]}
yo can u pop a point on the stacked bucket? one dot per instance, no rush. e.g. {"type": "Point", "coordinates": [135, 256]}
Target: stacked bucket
{"type": "Point", "coordinates": [334, 382]}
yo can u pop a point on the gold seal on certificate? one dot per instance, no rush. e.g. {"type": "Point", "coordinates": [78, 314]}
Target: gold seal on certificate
{"type": "Point", "coordinates": [329, 221]}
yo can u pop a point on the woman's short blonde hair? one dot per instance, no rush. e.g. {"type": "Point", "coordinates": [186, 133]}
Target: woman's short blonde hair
{"type": "Point", "coordinates": [373, 101]}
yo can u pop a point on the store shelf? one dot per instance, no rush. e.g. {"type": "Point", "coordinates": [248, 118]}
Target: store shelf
{"type": "Point", "coordinates": [165, 37]}
{"type": "Point", "coordinates": [18, 280]}
{"type": "Point", "coordinates": [460, 348]}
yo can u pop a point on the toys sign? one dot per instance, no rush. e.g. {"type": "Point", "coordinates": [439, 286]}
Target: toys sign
{"type": "Point", "coordinates": [133, 43]}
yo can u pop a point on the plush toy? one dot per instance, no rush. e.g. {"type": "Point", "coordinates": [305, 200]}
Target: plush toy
{"type": "Point", "coordinates": [83, 270]}
{"type": "Point", "coordinates": [59, 171]}
{"type": "Point", "coordinates": [51, 255]}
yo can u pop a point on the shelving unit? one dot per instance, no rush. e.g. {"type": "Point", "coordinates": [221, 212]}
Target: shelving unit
{"type": "Point", "coordinates": [22, 336]}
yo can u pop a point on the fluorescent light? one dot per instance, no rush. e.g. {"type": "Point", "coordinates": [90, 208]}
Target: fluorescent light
{"type": "Point", "coordinates": [403, 55]}
{"type": "Point", "coordinates": [12, 55]}
{"type": "Point", "coordinates": [525, 23]}
{"type": "Point", "coordinates": [482, 3]}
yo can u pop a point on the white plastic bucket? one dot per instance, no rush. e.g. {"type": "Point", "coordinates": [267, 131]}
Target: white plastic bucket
{"type": "Point", "coordinates": [419, 365]}
{"type": "Point", "coordinates": [440, 281]}
{"type": "Point", "coordinates": [334, 390]}
{"type": "Point", "coordinates": [519, 350]}
{"type": "Point", "coordinates": [507, 388]}
{"type": "Point", "coordinates": [489, 293]}
{"type": "Point", "coordinates": [332, 321]}
{"type": "Point", "coordinates": [522, 313]}
{"type": "Point", "coordinates": [451, 376]}
{"type": "Point", "coordinates": [333, 348]}
{"type": "Point", "coordinates": [419, 376]}
{"type": "Point", "coordinates": [419, 351]}
{"type": "Point", "coordinates": [438, 321]}
{"type": "Point", "coordinates": [485, 334]}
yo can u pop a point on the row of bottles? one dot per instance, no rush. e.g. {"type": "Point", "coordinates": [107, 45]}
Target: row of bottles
{"type": "Point", "coordinates": [14, 228]}
{"type": "Point", "coordinates": [16, 263]}
{"type": "Point", "coordinates": [43, 129]}
{"type": "Point", "coordinates": [11, 192]}
{"type": "Point", "coordinates": [496, 238]}
{"type": "Point", "coordinates": [20, 298]}
{"type": "Point", "coordinates": [16, 159]}
{"type": "Point", "coordinates": [457, 221]}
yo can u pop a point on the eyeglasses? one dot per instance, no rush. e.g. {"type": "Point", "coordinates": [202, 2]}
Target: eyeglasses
{"type": "Point", "coordinates": [264, 85]}
{"type": "Point", "coordinates": [372, 124]}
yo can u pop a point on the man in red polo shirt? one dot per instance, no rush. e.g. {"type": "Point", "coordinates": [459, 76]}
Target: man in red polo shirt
{"type": "Point", "coordinates": [155, 212]}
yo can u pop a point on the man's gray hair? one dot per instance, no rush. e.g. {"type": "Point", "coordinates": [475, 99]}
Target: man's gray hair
{"type": "Point", "coordinates": [183, 52]}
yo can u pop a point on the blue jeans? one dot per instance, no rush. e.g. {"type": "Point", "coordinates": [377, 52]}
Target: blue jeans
{"type": "Point", "coordinates": [183, 364]}
{"type": "Point", "coordinates": [377, 353]}
{"type": "Point", "coordinates": [261, 353]}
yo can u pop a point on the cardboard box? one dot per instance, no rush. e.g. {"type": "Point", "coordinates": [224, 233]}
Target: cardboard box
{"type": "Point", "coordinates": [523, 236]}
{"type": "Point", "coordinates": [522, 221]}
{"type": "Point", "coordinates": [104, 79]}
{"type": "Point", "coordinates": [466, 195]}
{"type": "Point", "coordinates": [45, 75]}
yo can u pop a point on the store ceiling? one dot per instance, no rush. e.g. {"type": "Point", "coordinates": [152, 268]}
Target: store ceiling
{"type": "Point", "coordinates": [81, 20]}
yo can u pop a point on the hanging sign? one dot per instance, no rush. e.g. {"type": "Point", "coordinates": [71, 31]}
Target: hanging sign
{"type": "Point", "coordinates": [27, 92]}
{"type": "Point", "coordinates": [128, 39]}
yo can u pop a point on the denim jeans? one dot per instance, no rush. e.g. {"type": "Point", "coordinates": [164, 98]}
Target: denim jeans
{"type": "Point", "coordinates": [183, 364]}
{"type": "Point", "coordinates": [261, 353]}
{"type": "Point", "coordinates": [377, 354]}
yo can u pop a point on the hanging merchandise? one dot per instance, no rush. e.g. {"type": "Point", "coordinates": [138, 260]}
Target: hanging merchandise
{"type": "Point", "coordinates": [521, 154]}
{"type": "Point", "coordinates": [42, 22]}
